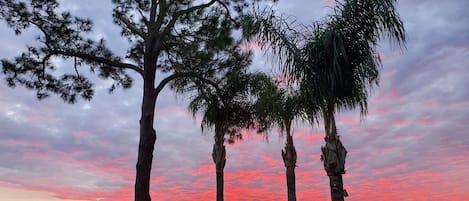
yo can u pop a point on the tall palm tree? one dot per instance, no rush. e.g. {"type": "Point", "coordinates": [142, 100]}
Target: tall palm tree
{"type": "Point", "coordinates": [337, 64]}
{"type": "Point", "coordinates": [226, 107]}
{"type": "Point", "coordinates": [279, 107]}
{"type": "Point", "coordinates": [340, 60]}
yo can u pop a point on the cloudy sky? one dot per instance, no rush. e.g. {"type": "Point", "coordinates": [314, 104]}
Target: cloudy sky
{"type": "Point", "coordinates": [413, 144]}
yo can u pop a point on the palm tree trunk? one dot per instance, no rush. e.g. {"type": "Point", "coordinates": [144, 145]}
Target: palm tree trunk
{"type": "Point", "coordinates": [291, 187]}
{"type": "Point", "coordinates": [147, 133]}
{"type": "Point", "coordinates": [220, 184]}
{"type": "Point", "coordinates": [333, 157]}
{"type": "Point", "coordinates": [219, 158]}
{"type": "Point", "coordinates": [289, 159]}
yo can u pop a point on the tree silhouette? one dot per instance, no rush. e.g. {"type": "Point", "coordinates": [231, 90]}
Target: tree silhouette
{"type": "Point", "coordinates": [342, 62]}
{"type": "Point", "coordinates": [227, 106]}
{"type": "Point", "coordinates": [280, 107]}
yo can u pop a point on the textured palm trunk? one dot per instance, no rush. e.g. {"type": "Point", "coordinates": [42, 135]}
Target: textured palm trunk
{"type": "Point", "coordinates": [219, 158]}
{"type": "Point", "coordinates": [289, 159]}
{"type": "Point", "coordinates": [333, 156]}
{"type": "Point", "coordinates": [147, 133]}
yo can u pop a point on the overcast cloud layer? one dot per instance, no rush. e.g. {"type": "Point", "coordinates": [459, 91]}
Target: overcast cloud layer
{"type": "Point", "coordinates": [413, 144]}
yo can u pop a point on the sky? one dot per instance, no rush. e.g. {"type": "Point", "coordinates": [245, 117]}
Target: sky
{"type": "Point", "coordinates": [412, 145]}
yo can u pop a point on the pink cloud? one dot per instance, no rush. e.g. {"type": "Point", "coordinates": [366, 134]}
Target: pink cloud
{"type": "Point", "coordinates": [391, 95]}
{"type": "Point", "coordinates": [265, 184]}
{"type": "Point", "coordinates": [204, 169]}
{"type": "Point", "coordinates": [271, 161]}
{"type": "Point", "coordinates": [329, 3]}
{"type": "Point", "coordinates": [51, 154]}
{"type": "Point", "coordinates": [251, 45]}
{"type": "Point", "coordinates": [401, 122]}
{"type": "Point", "coordinates": [308, 137]}
{"type": "Point", "coordinates": [426, 120]}
{"type": "Point", "coordinates": [394, 94]}
{"type": "Point", "coordinates": [390, 169]}
{"type": "Point", "coordinates": [35, 144]}
{"type": "Point", "coordinates": [349, 121]}
{"type": "Point", "coordinates": [379, 111]}
{"type": "Point", "coordinates": [410, 186]}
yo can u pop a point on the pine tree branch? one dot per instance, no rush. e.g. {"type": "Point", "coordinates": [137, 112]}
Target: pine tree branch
{"type": "Point", "coordinates": [81, 55]}
{"type": "Point", "coordinates": [101, 60]}
{"type": "Point", "coordinates": [131, 26]}
{"type": "Point", "coordinates": [194, 8]}
{"type": "Point", "coordinates": [185, 11]}
{"type": "Point", "coordinates": [174, 76]}
{"type": "Point", "coordinates": [172, 22]}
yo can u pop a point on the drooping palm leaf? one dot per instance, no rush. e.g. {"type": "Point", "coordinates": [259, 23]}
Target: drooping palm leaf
{"type": "Point", "coordinates": [276, 34]}
{"type": "Point", "coordinates": [341, 58]}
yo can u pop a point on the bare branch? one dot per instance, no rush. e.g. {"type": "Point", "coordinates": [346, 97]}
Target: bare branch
{"type": "Point", "coordinates": [44, 61]}
{"type": "Point", "coordinates": [174, 19]}
{"type": "Point", "coordinates": [228, 12]}
{"type": "Point", "coordinates": [194, 8]}
{"type": "Point", "coordinates": [131, 26]}
{"type": "Point", "coordinates": [185, 11]}
{"type": "Point", "coordinates": [162, 7]}
{"type": "Point", "coordinates": [154, 5]}
{"type": "Point", "coordinates": [156, 22]}
{"type": "Point", "coordinates": [44, 31]}
{"type": "Point", "coordinates": [99, 60]}
{"type": "Point", "coordinates": [76, 70]}
{"type": "Point", "coordinates": [174, 76]}
{"type": "Point", "coordinates": [145, 20]}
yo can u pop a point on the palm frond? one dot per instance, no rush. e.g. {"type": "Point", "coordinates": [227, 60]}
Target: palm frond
{"type": "Point", "coordinates": [340, 58]}
{"type": "Point", "coordinates": [276, 34]}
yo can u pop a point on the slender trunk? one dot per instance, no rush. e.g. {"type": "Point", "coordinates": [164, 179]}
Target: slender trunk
{"type": "Point", "coordinates": [291, 187]}
{"type": "Point", "coordinates": [219, 158]}
{"type": "Point", "coordinates": [220, 183]}
{"type": "Point", "coordinates": [289, 159]}
{"type": "Point", "coordinates": [147, 132]}
{"type": "Point", "coordinates": [333, 156]}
